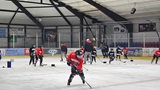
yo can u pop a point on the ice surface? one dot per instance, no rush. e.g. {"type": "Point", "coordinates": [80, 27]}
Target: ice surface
{"type": "Point", "coordinates": [137, 75]}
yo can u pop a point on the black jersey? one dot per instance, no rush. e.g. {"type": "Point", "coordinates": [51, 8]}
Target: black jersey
{"type": "Point", "coordinates": [118, 51]}
{"type": "Point", "coordinates": [94, 52]}
{"type": "Point", "coordinates": [32, 51]}
{"type": "Point", "coordinates": [111, 54]}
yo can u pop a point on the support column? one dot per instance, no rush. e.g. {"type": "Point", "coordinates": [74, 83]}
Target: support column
{"type": "Point", "coordinates": [24, 36]}
{"type": "Point", "coordinates": [81, 32]}
{"type": "Point", "coordinates": [71, 37]}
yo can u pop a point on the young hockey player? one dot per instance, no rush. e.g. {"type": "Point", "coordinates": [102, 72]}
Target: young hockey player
{"type": "Point", "coordinates": [32, 52]}
{"type": "Point", "coordinates": [63, 51]}
{"type": "Point", "coordinates": [118, 53]}
{"type": "Point", "coordinates": [125, 52]}
{"type": "Point", "coordinates": [94, 54]}
{"type": "Point", "coordinates": [75, 60]}
{"type": "Point", "coordinates": [156, 55]}
{"type": "Point", "coordinates": [0, 55]}
{"type": "Point", "coordinates": [40, 53]}
{"type": "Point", "coordinates": [111, 56]}
{"type": "Point", "coordinates": [105, 50]}
{"type": "Point", "coordinates": [88, 49]}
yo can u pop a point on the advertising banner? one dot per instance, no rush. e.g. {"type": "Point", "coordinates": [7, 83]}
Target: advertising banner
{"type": "Point", "coordinates": [149, 51]}
{"type": "Point", "coordinates": [14, 51]}
{"type": "Point", "coordinates": [52, 50]}
{"type": "Point", "coordinates": [26, 51]}
{"type": "Point", "coordinates": [135, 52]}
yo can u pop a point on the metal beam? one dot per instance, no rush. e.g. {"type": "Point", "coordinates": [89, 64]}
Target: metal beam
{"type": "Point", "coordinates": [91, 11]}
{"type": "Point", "coordinates": [60, 12]}
{"type": "Point", "coordinates": [64, 25]}
{"type": "Point", "coordinates": [5, 10]}
{"type": "Point", "coordinates": [9, 26]}
{"type": "Point", "coordinates": [106, 11]}
{"type": "Point", "coordinates": [18, 24]}
{"type": "Point", "coordinates": [77, 12]}
{"type": "Point", "coordinates": [90, 29]}
{"type": "Point", "coordinates": [25, 32]}
{"type": "Point", "coordinates": [13, 17]}
{"type": "Point", "coordinates": [30, 2]}
{"type": "Point", "coordinates": [81, 32]}
{"type": "Point", "coordinates": [54, 16]}
{"type": "Point", "coordinates": [28, 13]}
{"type": "Point", "coordinates": [71, 36]}
{"type": "Point", "coordinates": [39, 6]}
{"type": "Point", "coordinates": [41, 1]}
{"type": "Point", "coordinates": [113, 16]}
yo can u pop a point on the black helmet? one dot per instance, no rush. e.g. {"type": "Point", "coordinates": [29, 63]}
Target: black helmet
{"type": "Point", "coordinates": [78, 52]}
{"type": "Point", "coordinates": [33, 45]}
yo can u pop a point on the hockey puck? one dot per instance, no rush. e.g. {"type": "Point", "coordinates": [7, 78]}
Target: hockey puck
{"type": "Point", "coordinates": [52, 65]}
{"type": "Point", "coordinates": [104, 62]}
{"type": "Point", "coordinates": [3, 67]}
{"type": "Point", "coordinates": [131, 60]}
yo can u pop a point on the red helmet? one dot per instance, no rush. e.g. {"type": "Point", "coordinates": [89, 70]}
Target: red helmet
{"type": "Point", "coordinates": [88, 41]}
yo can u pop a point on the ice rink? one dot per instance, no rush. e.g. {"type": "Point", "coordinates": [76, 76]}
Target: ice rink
{"type": "Point", "coordinates": [137, 75]}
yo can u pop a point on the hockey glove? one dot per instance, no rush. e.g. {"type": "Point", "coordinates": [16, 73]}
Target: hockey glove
{"type": "Point", "coordinates": [69, 62]}
{"type": "Point", "coordinates": [79, 71]}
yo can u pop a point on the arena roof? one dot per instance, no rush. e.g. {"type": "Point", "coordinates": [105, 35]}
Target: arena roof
{"type": "Point", "coordinates": [68, 12]}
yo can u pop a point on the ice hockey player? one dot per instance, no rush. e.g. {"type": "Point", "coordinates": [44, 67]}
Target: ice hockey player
{"type": "Point", "coordinates": [40, 53]}
{"type": "Point", "coordinates": [75, 60]}
{"type": "Point", "coordinates": [111, 55]}
{"type": "Point", "coordinates": [0, 55]}
{"type": "Point", "coordinates": [156, 55]}
{"type": "Point", "coordinates": [63, 51]}
{"type": "Point", "coordinates": [105, 50]}
{"type": "Point", "coordinates": [32, 52]}
{"type": "Point", "coordinates": [118, 53]}
{"type": "Point", "coordinates": [125, 52]}
{"type": "Point", "coordinates": [94, 54]}
{"type": "Point", "coordinates": [88, 49]}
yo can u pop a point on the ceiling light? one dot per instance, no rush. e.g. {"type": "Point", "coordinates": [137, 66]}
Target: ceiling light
{"type": "Point", "coordinates": [133, 10]}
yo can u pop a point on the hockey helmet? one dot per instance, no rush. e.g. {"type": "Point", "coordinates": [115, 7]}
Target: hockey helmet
{"type": "Point", "coordinates": [33, 45]}
{"type": "Point", "coordinates": [88, 41]}
{"type": "Point", "coordinates": [78, 52]}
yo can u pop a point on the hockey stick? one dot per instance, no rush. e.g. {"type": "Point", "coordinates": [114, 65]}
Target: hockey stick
{"type": "Point", "coordinates": [123, 61]}
{"type": "Point", "coordinates": [79, 75]}
{"type": "Point", "coordinates": [88, 84]}
{"type": "Point", "coordinates": [85, 68]}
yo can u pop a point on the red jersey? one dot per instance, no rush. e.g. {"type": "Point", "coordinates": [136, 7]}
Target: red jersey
{"type": "Point", "coordinates": [75, 61]}
{"type": "Point", "coordinates": [157, 53]}
{"type": "Point", "coordinates": [39, 51]}
{"type": "Point", "coordinates": [125, 50]}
